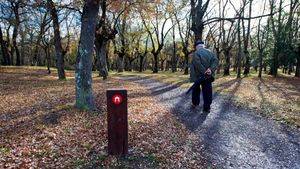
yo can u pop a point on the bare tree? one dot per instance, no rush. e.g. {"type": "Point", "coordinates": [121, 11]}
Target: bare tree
{"type": "Point", "coordinates": [198, 9]}
{"type": "Point", "coordinates": [246, 37]}
{"type": "Point", "coordinates": [57, 39]}
{"type": "Point", "coordinates": [277, 36]}
{"type": "Point", "coordinates": [4, 50]}
{"type": "Point", "coordinates": [101, 40]}
{"type": "Point", "coordinates": [229, 39]}
{"type": "Point", "coordinates": [16, 5]}
{"type": "Point", "coordinates": [104, 32]}
{"type": "Point", "coordinates": [158, 39]}
{"type": "Point", "coordinates": [185, 35]}
{"type": "Point", "coordinates": [262, 41]}
{"type": "Point", "coordinates": [44, 23]}
{"type": "Point", "coordinates": [174, 57]}
{"type": "Point", "coordinates": [143, 55]}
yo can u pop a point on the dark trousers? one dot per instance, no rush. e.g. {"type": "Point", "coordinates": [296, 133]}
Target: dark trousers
{"type": "Point", "coordinates": [206, 93]}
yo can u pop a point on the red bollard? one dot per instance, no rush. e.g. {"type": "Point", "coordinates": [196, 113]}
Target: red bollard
{"type": "Point", "coordinates": [117, 121]}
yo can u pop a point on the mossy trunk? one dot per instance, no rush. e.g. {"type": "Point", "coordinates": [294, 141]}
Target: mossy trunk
{"type": "Point", "coordinates": [84, 63]}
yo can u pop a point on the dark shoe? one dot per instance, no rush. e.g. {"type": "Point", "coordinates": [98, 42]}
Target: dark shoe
{"type": "Point", "coordinates": [206, 110]}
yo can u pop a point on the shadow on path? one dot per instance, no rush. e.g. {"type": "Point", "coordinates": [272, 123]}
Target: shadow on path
{"type": "Point", "coordinates": [233, 137]}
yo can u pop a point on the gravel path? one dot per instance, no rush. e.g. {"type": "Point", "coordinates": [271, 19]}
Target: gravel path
{"type": "Point", "coordinates": [233, 137]}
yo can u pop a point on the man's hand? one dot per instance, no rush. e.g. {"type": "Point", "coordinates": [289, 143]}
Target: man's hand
{"type": "Point", "coordinates": [208, 71]}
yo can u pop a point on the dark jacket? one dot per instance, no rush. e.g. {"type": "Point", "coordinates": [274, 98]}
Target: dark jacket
{"type": "Point", "coordinates": [202, 59]}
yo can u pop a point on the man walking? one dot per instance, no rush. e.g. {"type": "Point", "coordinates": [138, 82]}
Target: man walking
{"type": "Point", "coordinates": [204, 63]}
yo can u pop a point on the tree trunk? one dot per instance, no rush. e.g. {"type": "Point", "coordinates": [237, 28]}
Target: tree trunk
{"type": "Point", "coordinates": [197, 14]}
{"type": "Point", "coordinates": [155, 68]}
{"type": "Point", "coordinates": [274, 63]}
{"type": "Point", "coordinates": [186, 64]}
{"type": "Point", "coordinates": [141, 63]}
{"type": "Point", "coordinates": [22, 44]}
{"type": "Point", "coordinates": [284, 69]}
{"type": "Point", "coordinates": [239, 56]}
{"type": "Point", "coordinates": [10, 50]}
{"type": "Point", "coordinates": [297, 73]}
{"type": "Point", "coordinates": [143, 56]}
{"type": "Point", "coordinates": [36, 58]}
{"type": "Point", "coordinates": [46, 49]}
{"type": "Point", "coordinates": [101, 51]}
{"type": "Point", "coordinates": [131, 66]}
{"type": "Point", "coordinates": [126, 63]}
{"type": "Point", "coordinates": [4, 49]}
{"type": "Point", "coordinates": [120, 62]}
{"type": "Point", "coordinates": [260, 63]}
{"type": "Point", "coordinates": [168, 63]}
{"type": "Point", "coordinates": [16, 32]}
{"type": "Point", "coordinates": [246, 42]}
{"type": "Point", "coordinates": [102, 61]}
{"type": "Point", "coordinates": [290, 68]}
{"type": "Point", "coordinates": [277, 36]}
{"type": "Point", "coordinates": [16, 49]}
{"type": "Point", "coordinates": [199, 33]}
{"type": "Point", "coordinates": [107, 59]}
{"type": "Point", "coordinates": [162, 65]}
{"type": "Point", "coordinates": [247, 63]}
{"type": "Point", "coordinates": [227, 63]}
{"type": "Point", "coordinates": [83, 74]}
{"type": "Point", "coordinates": [174, 60]}
{"type": "Point", "coordinates": [219, 66]}
{"type": "Point", "coordinates": [57, 40]}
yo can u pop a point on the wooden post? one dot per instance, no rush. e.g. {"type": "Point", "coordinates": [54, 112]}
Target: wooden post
{"type": "Point", "coordinates": [117, 121]}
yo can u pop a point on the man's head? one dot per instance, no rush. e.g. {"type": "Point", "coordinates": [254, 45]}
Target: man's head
{"type": "Point", "coordinates": [199, 44]}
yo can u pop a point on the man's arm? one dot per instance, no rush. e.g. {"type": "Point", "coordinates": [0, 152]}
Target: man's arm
{"type": "Point", "coordinates": [214, 63]}
{"type": "Point", "coordinates": [192, 70]}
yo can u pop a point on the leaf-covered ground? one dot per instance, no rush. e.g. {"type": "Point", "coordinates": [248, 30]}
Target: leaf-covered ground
{"type": "Point", "coordinates": [40, 128]}
{"type": "Point", "coordinates": [277, 98]}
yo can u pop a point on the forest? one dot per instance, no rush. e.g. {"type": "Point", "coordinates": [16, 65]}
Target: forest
{"type": "Point", "coordinates": [156, 35]}
{"type": "Point", "coordinates": [72, 51]}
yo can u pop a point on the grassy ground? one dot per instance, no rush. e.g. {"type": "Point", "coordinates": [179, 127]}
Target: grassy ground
{"type": "Point", "coordinates": [40, 128]}
{"type": "Point", "coordinates": [277, 98]}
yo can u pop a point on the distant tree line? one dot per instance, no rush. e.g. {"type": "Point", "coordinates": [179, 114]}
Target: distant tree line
{"type": "Point", "coordinates": [158, 35]}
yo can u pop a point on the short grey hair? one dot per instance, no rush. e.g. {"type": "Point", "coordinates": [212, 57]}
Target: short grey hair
{"type": "Point", "coordinates": [200, 46]}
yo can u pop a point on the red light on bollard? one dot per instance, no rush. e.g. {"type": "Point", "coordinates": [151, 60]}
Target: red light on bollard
{"type": "Point", "coordinates": [117, 99]}
{"type": "Point", "coordinates": [117, 124]}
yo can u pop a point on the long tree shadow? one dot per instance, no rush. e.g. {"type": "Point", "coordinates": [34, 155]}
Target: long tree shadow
{"type": "Point", "coordinates": [26, 82]}
{"type": "Point", "coordinates": [30, 124]}
{"type": "Point", "coordinates": [44, 107]}
{"type": "Point", "coordinates": [180, 104]}
{"type": "Point", "coordinates": [166, 88]}
{"type": "Point", "coordinates": [219, 129]}
{"type": "Point", "coordinates": [233, 136]}
{"type": "Point", "coordinates": [281, 89]}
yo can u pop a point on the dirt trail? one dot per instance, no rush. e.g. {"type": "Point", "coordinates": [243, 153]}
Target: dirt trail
{"type": "Point", "coordinates": [233, 137]}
